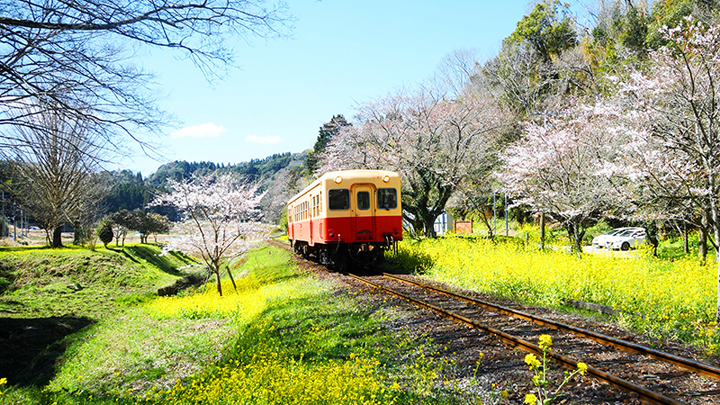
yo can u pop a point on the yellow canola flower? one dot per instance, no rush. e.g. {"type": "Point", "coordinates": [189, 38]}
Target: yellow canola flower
{"type": "Point", "coordinates": [531, 399]}
{"type": "Point", "coordinates": [532, 361]}
{"type": "Point", "coordinates": [536, 380]}
{"type": "Point", "coordinates": [545, 342]}
{"type": "Point", "coordinates": [3, 381]}
{"type": "Point", "coordinates": [635, 285]}
{"type": "Point", "coordinates": [582, 367]}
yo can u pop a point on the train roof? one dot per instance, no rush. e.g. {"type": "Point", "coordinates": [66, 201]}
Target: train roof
{"type": "Point", "coordinates": [346, 174]}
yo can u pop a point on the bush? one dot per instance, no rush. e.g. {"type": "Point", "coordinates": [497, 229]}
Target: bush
{"type": "Point", "coordinates": [105, 232]}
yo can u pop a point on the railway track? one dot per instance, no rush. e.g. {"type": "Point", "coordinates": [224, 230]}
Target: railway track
{"type": "Point", "coordinates": [653, 376]}
{"type": "Point", "coordinates": [649, 375]}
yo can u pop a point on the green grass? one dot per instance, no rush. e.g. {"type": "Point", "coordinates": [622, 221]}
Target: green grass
{"type": "Point", "coordinates": [50, 299]}
{"type": "Point", "coordinates": [285, 338]}
{"type": "Point", "coordinates": [77, 282]}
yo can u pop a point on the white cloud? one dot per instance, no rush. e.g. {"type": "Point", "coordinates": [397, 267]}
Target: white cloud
{"type": "Point", "coordinates": [207, 130]}
{"type": "Point", "coordinates": [265, 140]}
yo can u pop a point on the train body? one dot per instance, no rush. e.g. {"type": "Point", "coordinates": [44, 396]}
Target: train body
{"type": "Point", "coordinates": [347, 216]}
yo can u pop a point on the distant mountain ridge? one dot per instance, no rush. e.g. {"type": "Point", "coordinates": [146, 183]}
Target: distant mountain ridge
{"type": "Point", "coordinates": [280, 176]}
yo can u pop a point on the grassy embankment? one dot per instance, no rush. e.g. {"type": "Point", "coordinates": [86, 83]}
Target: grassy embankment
{"type": "Point", "coordinates": [668, 298]}
{"type": "Point", "coordinates": [285, 337]}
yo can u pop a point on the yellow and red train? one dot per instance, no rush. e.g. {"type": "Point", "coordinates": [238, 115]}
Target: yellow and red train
{"type": "Point", "coordinates": [347, 216]}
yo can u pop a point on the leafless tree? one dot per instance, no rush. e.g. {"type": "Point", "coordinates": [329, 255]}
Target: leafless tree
{"type": "Point", "coordinates": [56, 165]}
{"type": "Point", "coordinates": [73, 55]}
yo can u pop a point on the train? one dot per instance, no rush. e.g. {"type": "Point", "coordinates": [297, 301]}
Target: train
{"type": "Point", "coordinates": [346, 218]}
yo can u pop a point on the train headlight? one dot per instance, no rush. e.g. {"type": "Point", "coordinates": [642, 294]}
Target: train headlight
{"type": "Point", "coordinates": [386, 178]}
{"type": "Point", "coordinates": [338, 179]}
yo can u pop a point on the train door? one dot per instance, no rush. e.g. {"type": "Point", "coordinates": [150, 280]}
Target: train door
{"type": "Point", "coordinates": [364, 212]}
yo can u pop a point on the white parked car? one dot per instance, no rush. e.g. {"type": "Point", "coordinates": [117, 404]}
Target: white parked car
{"type": "Point", "coordinates": [601, 241]}
{"type": "Point", "coordinates": [630, 238]}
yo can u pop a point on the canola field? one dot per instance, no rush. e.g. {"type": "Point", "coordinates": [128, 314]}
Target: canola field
{"type": "Point", "coordinates": [663, 298]}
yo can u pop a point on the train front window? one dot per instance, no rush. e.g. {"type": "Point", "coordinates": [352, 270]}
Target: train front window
{"type": "Point", "coordinates": [363, 200]}
{"type": "Point", "coordinates": [339, 199]}
{"type": "Point", "coordinates": [387, 198]}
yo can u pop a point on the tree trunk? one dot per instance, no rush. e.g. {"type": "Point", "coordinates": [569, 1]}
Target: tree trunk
{"type": "Point", "coordinates": [578, 241]}
{"type": "Point", "coordinates": [57, 237]}
{"type": "Point", "coordinates": [542, 231]}
{"type": "Point", "coordinates": [217, 277]}
{"type": "Point", "coordinates": [576, 237]}
{"type": "Point", "coordinates": [702, 242]}
{"type": "Point", "coordinates": [686, 242]}
{"type": "Point", "coordinates": [231, 277]}
{"type": "Point", "coordinates": [486, 221]}
{"type": "Point", "coordinates": [715, 215]}
{"type": "Point", "coordinates": [429, 223]}
{"type": "Point", "coordinates": [78, 234]}
{"type": "Point", "coordinates": [651, 234]}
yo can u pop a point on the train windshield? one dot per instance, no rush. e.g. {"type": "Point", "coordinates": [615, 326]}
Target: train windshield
{"type": "Point", "coordinates": [387, 198]}
{"type": "Point", "coordinates": [339, 199]}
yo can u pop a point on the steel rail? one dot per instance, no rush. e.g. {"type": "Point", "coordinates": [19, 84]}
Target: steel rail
{"type": "Point", "coordinates": [687, 364]}
{"type": "Point", "coordinates": [644, 394]}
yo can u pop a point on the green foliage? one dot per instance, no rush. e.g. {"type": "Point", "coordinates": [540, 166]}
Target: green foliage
{"type": "Point", "coordinates": [254, 170]}
{"type": "Point", "coordinates": [146, 223]}
{"type": "Point", "coordinates": [598, 229]}
{"type": "Point", "coordinates": [283, 221]}
{"type": "Point", "coordinates": [128, 191]}
{"type": "Point", "coordinates": [548, 28]}
{"type": "Point", "coordinates": [105, 232]}
{"type": "Point", "coordinates": [667, 13]}
{"type": "Point", "coordinates": [635, 31]}
{"type": "Point", "coordinates": [325, 135]}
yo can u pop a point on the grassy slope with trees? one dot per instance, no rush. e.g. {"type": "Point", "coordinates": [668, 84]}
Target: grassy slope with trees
{"type": "Point", "coordinates": [286, 337]}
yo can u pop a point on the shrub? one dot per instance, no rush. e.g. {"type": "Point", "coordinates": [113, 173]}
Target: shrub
{"type": "Point", "coordinates": [105, 232]}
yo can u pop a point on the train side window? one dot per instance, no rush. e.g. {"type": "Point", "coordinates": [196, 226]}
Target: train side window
{"type": "Point", "coordinates": [363, 200]}
{"type": "Point", "coordinates": [387, 198]}
{"type": "Point", "coordinates": [339, 199]}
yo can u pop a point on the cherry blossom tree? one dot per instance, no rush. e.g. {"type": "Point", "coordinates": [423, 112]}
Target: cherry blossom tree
{"type": "Point", "coordinates": [673, 115]}
{"type": "Point", "coordinates": [567, 168]}
{"type": "Point", "coordinates": [433, 142]}
{"type": "Point", "coordinates": [221, 219]}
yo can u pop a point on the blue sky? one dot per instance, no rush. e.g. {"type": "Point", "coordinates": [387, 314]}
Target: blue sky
{"type": "Point", "coordinates": [339, 54]}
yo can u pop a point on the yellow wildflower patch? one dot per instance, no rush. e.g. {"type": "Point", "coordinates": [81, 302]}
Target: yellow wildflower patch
{"type": "Point", "coordinates": [648, 293]}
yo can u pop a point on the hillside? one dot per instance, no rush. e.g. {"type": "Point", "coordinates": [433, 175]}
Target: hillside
{"type": "Point", "coordinates": [46, 296]}
{"type": "Point", "coordinates": [279, 176]}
